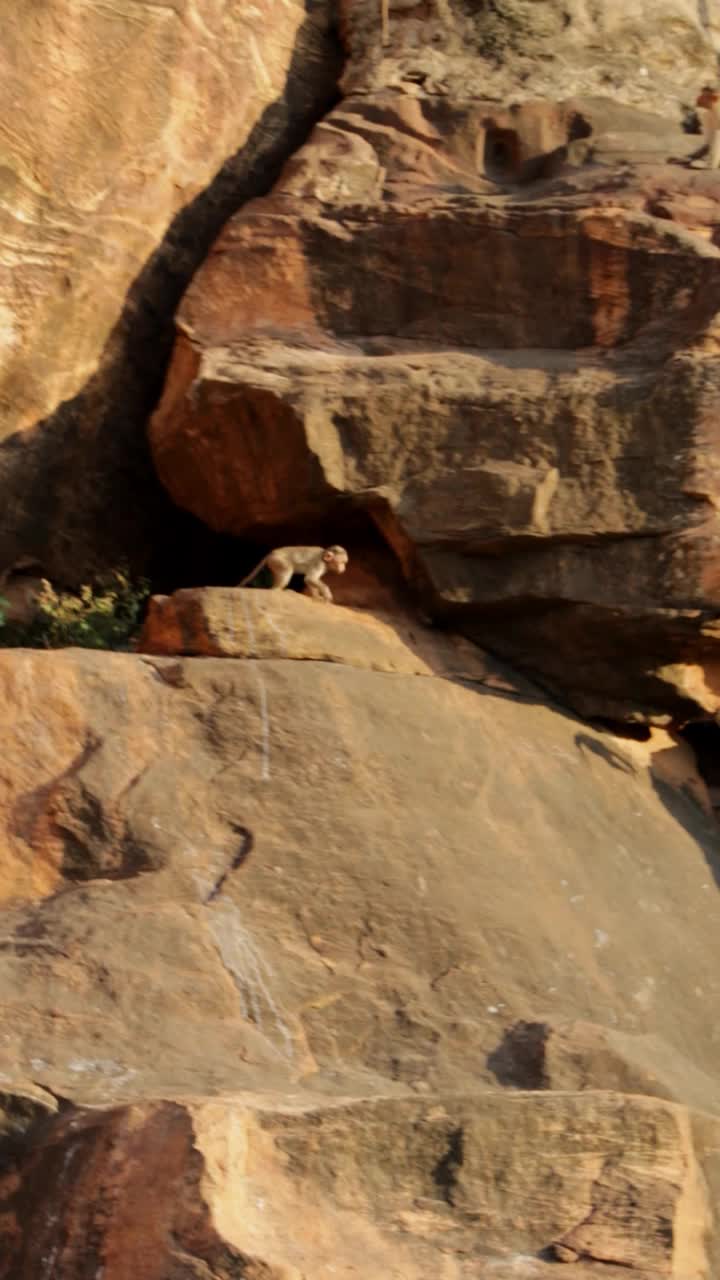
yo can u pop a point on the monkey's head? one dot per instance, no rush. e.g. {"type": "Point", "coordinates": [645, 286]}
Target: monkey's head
{"type": "Point", "coordinates": [336, 558]}
{"type": "Point", "coordinates": [707, 97]}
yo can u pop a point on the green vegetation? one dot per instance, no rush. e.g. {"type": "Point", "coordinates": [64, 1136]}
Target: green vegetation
{"type": "Point", "coordinates": [102, 616]}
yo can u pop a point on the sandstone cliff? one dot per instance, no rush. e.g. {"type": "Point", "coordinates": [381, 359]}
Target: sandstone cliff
{"type": "Point", "coordinates": [454, 1007]}
{"type": "Point", "coordinates": [488, 322]}
{"type": "Point", "coordinates": [331, 947]}
{"type": "Point", "coordinates": [132, 130]}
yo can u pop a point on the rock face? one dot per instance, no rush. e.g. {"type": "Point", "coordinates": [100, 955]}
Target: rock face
{"type": "Point", "coordinates": [649, 55]}
{"type": "Point", "coordinates": [307, 966]}
{"type": "Point", "coordinates": [125, 149]}
{"type": "Point", "coordinates": [328, 949]}
{"type": "Point", "coordinates": [221, 622]}
{"type": "Point", "coordinates": [490, 324]}
{"type": "Point", "coordinates": [395, 1186]}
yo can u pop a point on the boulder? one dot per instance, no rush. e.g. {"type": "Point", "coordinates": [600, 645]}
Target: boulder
{"type": "Point", "coordinates": [491, 327]}
{"type": "Point", "coordinates": [360, 1188]}
{"type": "Point", "coordinates": [232, 623]}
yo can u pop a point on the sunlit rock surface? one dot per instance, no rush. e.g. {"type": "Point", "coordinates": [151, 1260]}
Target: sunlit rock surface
{"type": "Point", "coordinates": [223, 622]}
{"type": "Point", "coordinates": [488, 319]}
{"type": "Point", "coordinates": [402, 1186]}
{"type": "Point", "coordinates": [334, 950]}
{"type": "Point", "coordinates": [131, 130]}
{"type": "Point", "coordinates": [358, 949]}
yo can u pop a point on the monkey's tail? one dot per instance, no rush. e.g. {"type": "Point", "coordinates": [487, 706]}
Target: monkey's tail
{"type": "Point", "coordinates": [254, 573]}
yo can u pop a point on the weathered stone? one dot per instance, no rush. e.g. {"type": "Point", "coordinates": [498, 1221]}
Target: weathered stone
{"type": "Point", "coordinates": [336, 894]}
{"type": "Point", "coordinates": [651, 53]}
{"type": "Point", "coordinates": [541, 457]}
{"type": "Point", "coordinates": [361, 968]}
{"type": "Point", "coordinates": [563, 1253]}
{"type": "Point", "coordinates": [361, 1187]}
{"type": "Point", "coordinates": [582, 1055]}
{"type": "Point", "coordinates": [125, 149]}
{"type": "Point", "coordinates": [433, 863]}
{"type": "Point", "coordinates": [227, 622]}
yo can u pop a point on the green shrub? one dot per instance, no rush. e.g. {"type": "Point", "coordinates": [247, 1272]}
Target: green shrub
{"type": "Point", "coordinates": [102, 616]}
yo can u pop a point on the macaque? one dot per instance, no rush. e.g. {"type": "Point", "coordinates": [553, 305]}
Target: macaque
{"type": "Point", "coordinates": [708, 101]}
{"type": "Point", "coordinates": [311, 562]}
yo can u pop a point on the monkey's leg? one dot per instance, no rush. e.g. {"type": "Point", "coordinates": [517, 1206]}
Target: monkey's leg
{"type": "Point", "coordinates": [316, 588]}
{"type": "Point", "coordinates": [281, 577]}
{"type": "Point", "coordinates": [324, 590]}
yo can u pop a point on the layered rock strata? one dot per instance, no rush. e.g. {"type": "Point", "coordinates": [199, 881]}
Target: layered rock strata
{"type": "Point", "coordinates": [362, 1188]}
{"type": "Point", "coordinates": [491, 326]}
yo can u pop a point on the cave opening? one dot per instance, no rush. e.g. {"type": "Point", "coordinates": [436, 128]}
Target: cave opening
{"type": "Point", "coordinates": [501, 154]}
{"type": "Point", "coordinates": [192, 555]}
{"type": "Point", "coordinates": [199, 556]}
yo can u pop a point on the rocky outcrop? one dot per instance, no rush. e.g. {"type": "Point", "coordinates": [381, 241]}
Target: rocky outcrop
{"type": "Point", "coordinates": [325, 966]}
{"type": "Point", "coordinates": [328, 949]}
{"type": "Point", "coordinates": [222, 622]}
{"type": "Point", "coordinates": [649, 55]}
{"type": "Point", "coordinates": [491, 326]}
{"type": "Point", "coordinates": [362, 1188]}
{"type": "Point", "coordinates": [131, 132]}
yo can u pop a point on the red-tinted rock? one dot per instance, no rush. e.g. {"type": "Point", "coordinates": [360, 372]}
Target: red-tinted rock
{"type": "Point", "coordinates": [514, 374]}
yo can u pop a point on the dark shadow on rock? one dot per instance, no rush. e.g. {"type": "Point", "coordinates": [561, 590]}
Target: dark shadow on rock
{"type": "Point", "coordinates": [703, 829]}
{"type": "Point", "coordinates": [80, 492]}
{"type": "Point", "coordinates": [23, 1118]}
{"type": "Point", "coordinates": [704, 738]}
{"type": "Point", "coordinates": [518, 1062]}
{"type": "Point", "coordinates": [445, 1173]}
{"type": "Point", "coordinates": [94, 844]}
{"type": "Point", "coordinates": [585, 742]}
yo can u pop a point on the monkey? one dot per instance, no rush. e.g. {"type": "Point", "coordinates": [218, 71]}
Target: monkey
{"type": "Point", "coordinates": [708, 101]}
{"type": "Point", "coordinates": [311, 562]}
{"type": "Point", "coordinates": [385, 20]}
